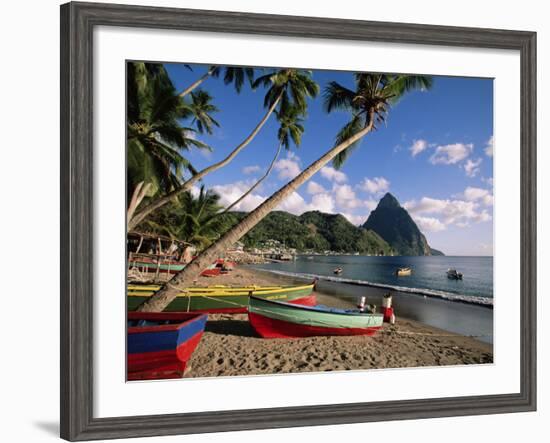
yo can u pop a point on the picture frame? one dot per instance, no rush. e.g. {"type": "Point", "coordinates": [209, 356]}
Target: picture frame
{"type": "Point", "coordinates": [78, 21]}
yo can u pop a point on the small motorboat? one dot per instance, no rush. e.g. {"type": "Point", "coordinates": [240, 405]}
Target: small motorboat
{"type": "Point", "coordinates": [402, 272]}
{"type": "Point", "coordinates": [453, 274]}
{"type": "Point", "coordinates": [276, 319]}
{"type": "Point", "coordinates": [338, 270]}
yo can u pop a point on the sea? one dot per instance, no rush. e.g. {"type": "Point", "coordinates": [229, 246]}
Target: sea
{"type": "Point", "coordinates": [428, 295]}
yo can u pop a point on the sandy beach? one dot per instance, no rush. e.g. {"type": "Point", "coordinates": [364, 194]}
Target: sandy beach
{"type": "Point", "coordinates": [231, 347]}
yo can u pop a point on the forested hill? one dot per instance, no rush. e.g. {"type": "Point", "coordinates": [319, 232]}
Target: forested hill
{"type": "Point", "coordinates": [315, 231]}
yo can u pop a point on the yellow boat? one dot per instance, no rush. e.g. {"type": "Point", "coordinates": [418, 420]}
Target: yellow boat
{"type": "Point", "coordinates": [222, 298]}
{"type": "Point", "coordinates": [401, 272]}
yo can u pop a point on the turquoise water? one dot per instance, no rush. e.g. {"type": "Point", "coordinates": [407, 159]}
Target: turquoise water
{"type": "Point", "coordinates": [428, 278]}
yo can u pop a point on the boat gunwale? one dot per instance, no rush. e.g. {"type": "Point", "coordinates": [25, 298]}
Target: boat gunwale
{"type": "Point", "coordinates": [315, 308]}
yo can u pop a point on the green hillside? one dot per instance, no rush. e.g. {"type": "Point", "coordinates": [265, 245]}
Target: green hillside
{"type": "Point", "coordinates": [315, 231]}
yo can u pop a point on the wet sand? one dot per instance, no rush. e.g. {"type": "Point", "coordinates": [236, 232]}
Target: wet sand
{"type": "Point", "coordinates": [230, 345]}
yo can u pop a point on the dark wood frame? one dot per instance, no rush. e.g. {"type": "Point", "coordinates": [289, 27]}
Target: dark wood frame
{"type": "Point", "coordinates": [77, 23]}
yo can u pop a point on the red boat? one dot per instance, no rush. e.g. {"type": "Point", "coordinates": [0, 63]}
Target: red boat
{"type": "Point", "coordinates": [160, 344]}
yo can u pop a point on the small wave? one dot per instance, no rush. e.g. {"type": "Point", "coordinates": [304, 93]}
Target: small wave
{"type": "Point", "coordinates": [472, 299]}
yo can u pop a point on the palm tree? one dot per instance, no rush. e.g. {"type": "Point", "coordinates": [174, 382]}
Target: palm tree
{"type": "Point", "coordinates": [290, 130]}
{"type": "Point", "coordinates": [156, 138]}
{"type": "Point", "coordinates": [370, 101]}
{"type": "Point", "coordinates": [233, 74]}
{"type": "Point", "coordinates": [286, 88]}
{"type": "Point", "coordinates": [194, 219]}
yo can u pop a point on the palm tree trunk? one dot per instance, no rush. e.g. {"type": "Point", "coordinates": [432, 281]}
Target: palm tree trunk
{"type": "Point", "coordinates": [164, 296]}
{"type": "Point", "coordinates": [255, 185]}
{"type": "Point", "coordinates": [197, 83]}
{"type": "Point", "coordinates": [138, 195]}
{"type": "Point", "coordinates": [139, 216]}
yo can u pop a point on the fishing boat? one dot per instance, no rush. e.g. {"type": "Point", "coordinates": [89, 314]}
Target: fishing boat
{"type": "Point", "coordinates": [221, 298]}
{"type": "Point", "coordinates": [453, 274]}
{"type": "Point", "coordinates": [275, 319]}
{"type": "Point", "coordinates": [338, 270]}
{"type": "Point", "coordinates": [402, 272]}
{"type": "Point", "coordinates": [160, 344]}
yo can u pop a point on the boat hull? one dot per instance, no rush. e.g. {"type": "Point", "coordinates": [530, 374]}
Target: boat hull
{"type": "Point", "coordinates": [282, 320]}
{"type": "Point", "coordinates": [225, 300]}
{"type": "Point", "coordinates": [160, 351]}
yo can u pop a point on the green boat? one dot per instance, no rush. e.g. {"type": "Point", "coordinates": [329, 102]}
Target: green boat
{"type": "Point", "coordinates": [276, 319]}
{"type": "Point", "coordinates": [223, 298]}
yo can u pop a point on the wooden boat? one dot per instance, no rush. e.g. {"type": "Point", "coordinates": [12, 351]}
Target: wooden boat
{"type": "Point", "coordinates": [223, 298]}
{"type": "Point", "coordinates": [213, 270]}
{"type": "Point", "coordinates": [160, 344]}
{"type": "Point", "coordinates": [338, 270]}
{"type": "Point", "coordinates": [453, 274]}
{"type": "Point", "coordinates": [402, 272]}
{"type": "Point", "coordinates": [275, 319]}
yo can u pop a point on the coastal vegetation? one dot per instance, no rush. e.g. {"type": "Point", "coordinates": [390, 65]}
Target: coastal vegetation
{"type": "Point", "coordinates": [367, 105]}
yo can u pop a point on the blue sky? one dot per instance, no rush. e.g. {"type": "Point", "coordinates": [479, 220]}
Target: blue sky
{"type": "Point", "coordinates": [434, 155]}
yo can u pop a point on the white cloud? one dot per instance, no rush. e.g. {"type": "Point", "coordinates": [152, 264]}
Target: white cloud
{"type": "Point", "coordinates": [418, 146]}
{"type": "Point", "coordinates": [429, 224]}
{"type": "Point", "coordinates": [288, 167]}
{"type": "Point", "coordinates": [332, 174]}
{"type": "Point", "coordinates": [345, 197]}
{"type": "Point", "coordinates": [315, 188]}
{"type": "Point", "coordinates": [377, 185]}
{"type": "Point", "coordinates": [490, 147]}
{"type": "Point", "coordinates": [294, 203]}
{"type": "Point", "coordinates": [457, 212]}
{"type": "Point", "coordinates": [231, 192]}
{"type": "Point", "coordinates": [472, 167]}
{"type": "Point", "coordinates": [451, 154]}
{"type": "Point", "coordinates": [251, 169]}
{"type": "Point", "coordinates": [356, 219]}
{"type": "Point", "coordinates": [322, 202]}
{"type": "Point", "coordinates": [478, 194]}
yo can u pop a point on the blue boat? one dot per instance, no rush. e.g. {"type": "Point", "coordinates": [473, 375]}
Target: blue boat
{"type": "Point", "coordinates": [160, 344]}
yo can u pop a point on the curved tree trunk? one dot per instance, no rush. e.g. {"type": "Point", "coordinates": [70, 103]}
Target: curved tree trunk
{"type": "Point", "coordinates": [139, 216]}
{"type": "Point", "coordinates": [197, 83]}
{"type": "Point", "coordinates": [138, 195]}
{"type": "Point", "coordinates": [181, 280]}
{"type": "Point", "coordinates": [255, 185]}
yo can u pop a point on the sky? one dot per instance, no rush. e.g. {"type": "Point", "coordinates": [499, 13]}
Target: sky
{"type": "Point", "coordinates": [434, 154]}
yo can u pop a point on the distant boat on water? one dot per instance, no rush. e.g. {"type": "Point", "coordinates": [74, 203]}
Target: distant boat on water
{"type": "Point", "coordinates": [338, 270]}
{"type": "Point", "coordinates": [402, 272]}
{"type": "Point", "coordinates": [453, 274]}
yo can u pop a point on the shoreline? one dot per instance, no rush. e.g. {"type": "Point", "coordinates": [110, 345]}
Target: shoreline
{"type": "Point", "coordinates": [432, 293]}
{"type": "Point", "coordinates": [230, 346]}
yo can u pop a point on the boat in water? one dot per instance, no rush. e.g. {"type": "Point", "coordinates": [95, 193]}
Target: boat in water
{"type": "Point", "coordinates": [219, 298]}
{"type": "Point", "coordinates": [453, 274]}
{"type": "Point", "coordinates": [159, 345]}
{"type": "Point", "coordinates": [402, 272]}
{"type": "Point", "coordinates": [338, 271]}
{"type": "Point", "coordinates": [276, 319]}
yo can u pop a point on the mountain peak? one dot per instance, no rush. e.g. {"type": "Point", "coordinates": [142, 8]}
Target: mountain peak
{"type": "Point", "coordinates": [393, 223]}
{"type": "Point", "coordinates": [389, 201]}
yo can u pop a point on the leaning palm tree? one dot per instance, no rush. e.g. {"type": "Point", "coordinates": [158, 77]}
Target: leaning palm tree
{"type": "Point", "coordinates": [286, 88]}
{"type": "Point", "coordinates": [369, 102]}
{"type": "Point", "coordinates": [233, 74]}
{"type": "Point", "coordinates": [290, 130]}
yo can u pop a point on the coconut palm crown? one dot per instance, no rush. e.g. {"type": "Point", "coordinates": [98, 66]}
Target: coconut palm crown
{"type": "Point", "coordinates": [373, 95]}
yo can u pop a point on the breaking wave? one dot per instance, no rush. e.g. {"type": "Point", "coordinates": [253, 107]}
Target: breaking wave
{"type": "Point", "coordinates": [472, 299]}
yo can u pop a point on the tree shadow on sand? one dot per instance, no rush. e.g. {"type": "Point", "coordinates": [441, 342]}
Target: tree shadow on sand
{"type": "Point", "coordinates": [240, 328]}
